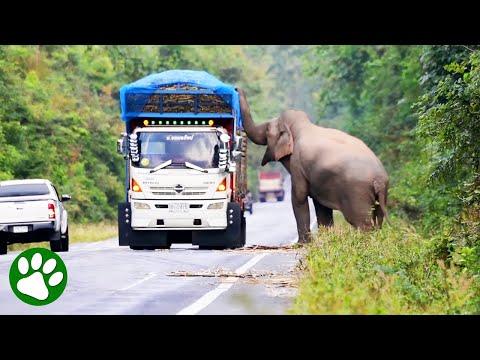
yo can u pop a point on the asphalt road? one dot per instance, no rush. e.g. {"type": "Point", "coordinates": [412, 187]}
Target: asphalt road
{"type": "Point", "coordinates": [104, 278]}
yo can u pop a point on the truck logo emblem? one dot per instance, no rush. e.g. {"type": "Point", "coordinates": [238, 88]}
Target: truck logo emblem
{"type": "Point", "coordinates": [179, 188]}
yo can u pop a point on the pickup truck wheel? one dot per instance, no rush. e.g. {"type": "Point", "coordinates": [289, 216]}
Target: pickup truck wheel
{"type": "Point", "coordinates": [3, 247]}
{"type": "Point", "coordinates": [61, 245]}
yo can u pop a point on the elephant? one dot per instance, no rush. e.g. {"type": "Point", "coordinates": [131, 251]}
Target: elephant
{"type": "Point", "coordinates": [337, 170]}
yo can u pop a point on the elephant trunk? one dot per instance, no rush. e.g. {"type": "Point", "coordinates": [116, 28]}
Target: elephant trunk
{"type": "Point", "coordinates": [257, 134]}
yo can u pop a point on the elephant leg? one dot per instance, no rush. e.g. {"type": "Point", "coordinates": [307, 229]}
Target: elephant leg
{"type": "Point", "coordinates": [324, 214]}
{"type": "Point", "coordinates": [359, 214]}
{"type": "Point", "coordinates": [301, 209]}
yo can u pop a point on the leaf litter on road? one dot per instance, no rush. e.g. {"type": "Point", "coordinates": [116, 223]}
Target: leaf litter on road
{"type": "Point", "coordinates": [269, 278]}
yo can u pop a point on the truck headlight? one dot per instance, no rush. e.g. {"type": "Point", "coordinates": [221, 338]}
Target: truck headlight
{"type": "Point", "coordinates": [140, 205]}
{"type": "Point", "coordinates": [216, 206]}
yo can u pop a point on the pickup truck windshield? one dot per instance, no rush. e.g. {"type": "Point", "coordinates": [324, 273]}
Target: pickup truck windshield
{"type": "Point", "coordinates": [23, 190]}
{"type": "Point", "coordinates": [199, 148]}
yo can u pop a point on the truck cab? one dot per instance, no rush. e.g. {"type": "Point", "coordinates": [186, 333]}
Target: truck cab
{"type": "Point", "coordinates": [177, 181]}
{"type": "Point", "coordinates": [185, 171]}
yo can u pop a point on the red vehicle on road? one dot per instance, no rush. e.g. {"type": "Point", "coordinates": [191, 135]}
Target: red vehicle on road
{"type": "Point", "coordinates": [270, 186]}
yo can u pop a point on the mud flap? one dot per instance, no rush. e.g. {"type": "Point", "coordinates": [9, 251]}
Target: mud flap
{"type": "Point", "coordinates": [124, 228]}
{"type": "Point", "coordinates": [129, 237]}
{"type": "Point", "coordinates": [231, 237]}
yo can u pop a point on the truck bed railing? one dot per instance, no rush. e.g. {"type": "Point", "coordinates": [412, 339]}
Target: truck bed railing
{"type": "Point", "coordinates": [169, 102]}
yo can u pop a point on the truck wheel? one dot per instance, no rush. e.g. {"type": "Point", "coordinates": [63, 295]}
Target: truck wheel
{"type": "Point", "coordinates": [243, 235]}
{"type": "Point", "coordinates": [3, 247]}
{"type": "Point", "coordinates": [206, 247]}
{"type": "Point", "coordinates": [242, 239]}
{"type": "Point", "coordinates": [157, 247]}
{"type": "Point", "coordinates": [61, 245]}
{"type": "Point", "coordinates": [280, 198]}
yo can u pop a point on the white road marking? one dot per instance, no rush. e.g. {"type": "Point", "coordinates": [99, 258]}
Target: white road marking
{"type": "Point", "coordinates": [210, 297]}
{"type": "Point", "coordinates": [146, 278]}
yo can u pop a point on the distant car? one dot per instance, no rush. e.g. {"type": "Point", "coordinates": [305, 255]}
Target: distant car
{"type": "Point", "coordinates": [32, 211]}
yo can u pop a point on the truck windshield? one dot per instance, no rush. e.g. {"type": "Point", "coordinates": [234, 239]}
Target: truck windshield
{"type": "Point", "coordinates": [23, 190]}
{"type": "Point", "coordinates": [199, 148]}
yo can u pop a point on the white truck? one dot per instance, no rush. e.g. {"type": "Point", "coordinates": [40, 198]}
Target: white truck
{"type": "Point", "coordinates": [185, 163]}
{"type": "Point", "coordinates": [32, 211]}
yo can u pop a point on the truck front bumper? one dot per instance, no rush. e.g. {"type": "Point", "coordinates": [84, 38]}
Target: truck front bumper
{"type": "Point", "coordinates": [187, 214]}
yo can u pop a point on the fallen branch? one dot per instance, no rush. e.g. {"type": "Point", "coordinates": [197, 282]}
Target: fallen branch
{"type": "Point", "coordinates": [218, 273]}
{"type": "Point", "coordinates": [269, 247]}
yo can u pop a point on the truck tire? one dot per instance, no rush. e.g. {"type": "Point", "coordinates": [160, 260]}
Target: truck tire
{"type": "Point", "coordinates": [207, 247]}
{"type": "Point", "coordinates": [149, 247]}
{"type": "Point", "coordinates": [232, 237]}
{"type": "Point", "coordinates": [280, 198]}
{"type": "Point", "coordinates": [243, 234]}
{"type": "Point", "coordinates": [3, 247]}
{"type": "Point", "coordinates": [157, 247]}
{"type": "Point", "coordinates": [61, 245]}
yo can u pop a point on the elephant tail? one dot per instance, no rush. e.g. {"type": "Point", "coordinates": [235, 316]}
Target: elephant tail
{"type": "Point", "coordinates": [381, 204]}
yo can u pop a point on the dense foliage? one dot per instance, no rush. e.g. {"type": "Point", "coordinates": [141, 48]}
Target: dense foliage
{"type": "Point", "coordinates": [418, 108]}
{"type": "Point", "coordinates": [59, 114]}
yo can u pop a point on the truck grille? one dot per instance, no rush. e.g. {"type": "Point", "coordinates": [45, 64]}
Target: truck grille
{"type": "Point", "coordinates": [170, 191]}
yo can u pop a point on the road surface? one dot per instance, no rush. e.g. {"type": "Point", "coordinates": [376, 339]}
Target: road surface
{"type": "Point", "coordinates": [104, 278]}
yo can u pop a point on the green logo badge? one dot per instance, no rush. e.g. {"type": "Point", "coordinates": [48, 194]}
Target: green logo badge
{"type": "Point", "coordinates": [38, 276]}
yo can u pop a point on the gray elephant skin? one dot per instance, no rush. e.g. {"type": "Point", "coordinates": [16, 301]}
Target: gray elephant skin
{"type": "Point", "coordinates": [338, 171]}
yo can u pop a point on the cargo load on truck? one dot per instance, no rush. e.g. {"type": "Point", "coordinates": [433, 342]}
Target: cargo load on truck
{"type": "Point", "coordinates": [185, 156]}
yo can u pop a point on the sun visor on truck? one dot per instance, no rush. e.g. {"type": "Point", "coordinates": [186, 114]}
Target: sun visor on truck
{"type": "Point", "coordinates": [179, 93]}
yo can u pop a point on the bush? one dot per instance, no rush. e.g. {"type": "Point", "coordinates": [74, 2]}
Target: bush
{"type": "Point", "coordinates": [391, 271]}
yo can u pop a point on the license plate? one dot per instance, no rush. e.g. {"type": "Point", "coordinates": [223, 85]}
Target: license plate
{"type": "Point", "coordinates": [178, 207]}
{"type": "Point", "coordinates": [20, 229]}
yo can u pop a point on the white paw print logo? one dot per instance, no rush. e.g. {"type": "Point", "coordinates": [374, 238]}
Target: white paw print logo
{"type": "Point", "coordinates": [37, 277]}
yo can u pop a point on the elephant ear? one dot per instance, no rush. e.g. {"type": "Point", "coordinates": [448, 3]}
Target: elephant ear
{"type": "Point", "coordinates": [284, 145]}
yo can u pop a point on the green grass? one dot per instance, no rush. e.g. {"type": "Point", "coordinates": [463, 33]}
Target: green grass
{"type": "Point", "coordinates": [78, 233]}
{"type": "Point", "coordinates": [389, 271]}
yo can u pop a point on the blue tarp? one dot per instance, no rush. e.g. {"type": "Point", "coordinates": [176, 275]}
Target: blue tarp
{"type": "Point", "coordinates": [151, 84]}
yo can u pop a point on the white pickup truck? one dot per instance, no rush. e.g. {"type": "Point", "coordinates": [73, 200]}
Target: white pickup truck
{"type": "Point", "coordinates": [32, 211]}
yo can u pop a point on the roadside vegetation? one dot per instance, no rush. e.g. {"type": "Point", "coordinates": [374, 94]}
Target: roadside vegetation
{"type": "Point", "coordinates": [392, 271]}
{"type": "Point", "coordinates": [418, 108]}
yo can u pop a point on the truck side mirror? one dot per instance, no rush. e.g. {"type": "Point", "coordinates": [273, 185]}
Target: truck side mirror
{"type": "Point", "coordinates": [66, 197]}
{"type": "Point", "coordinates": [239, 144]}
{"type": "Point", "coordinates": [237, 151]}
{"type": "Point", "coordinates": [122, 145]}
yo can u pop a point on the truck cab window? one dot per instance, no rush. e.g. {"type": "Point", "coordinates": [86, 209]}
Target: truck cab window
{"type": "Point", "coordinates": [199, 148]}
